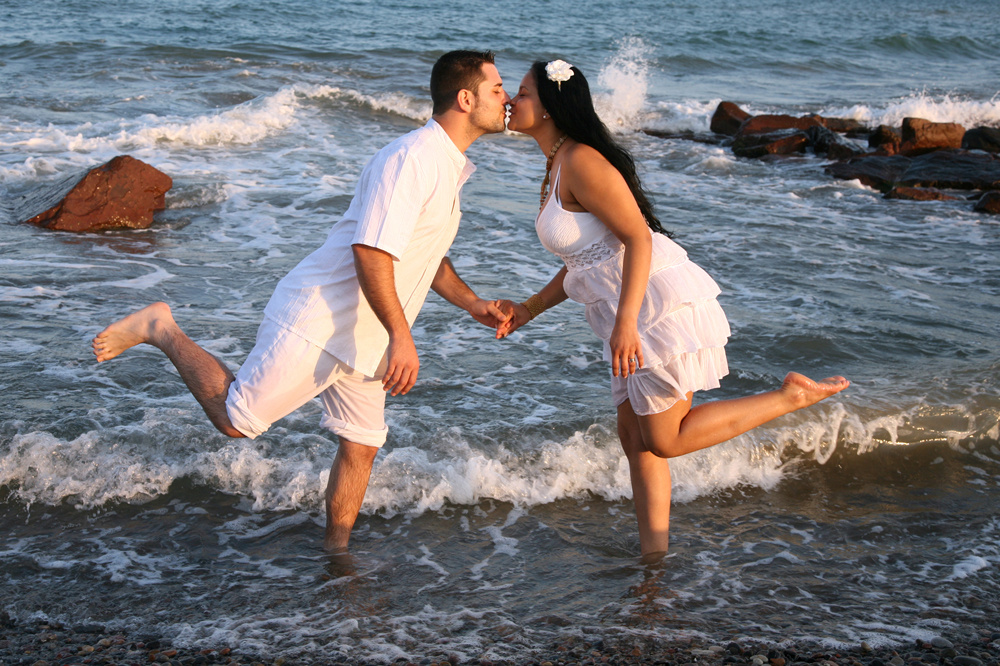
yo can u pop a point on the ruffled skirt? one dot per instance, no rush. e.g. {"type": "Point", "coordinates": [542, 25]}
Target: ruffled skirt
{"type": "Point", "coordinates": [682, 328]}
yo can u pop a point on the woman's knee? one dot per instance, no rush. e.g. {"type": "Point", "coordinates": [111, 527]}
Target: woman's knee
{"type": "Point", "coordinates": [660, 445]}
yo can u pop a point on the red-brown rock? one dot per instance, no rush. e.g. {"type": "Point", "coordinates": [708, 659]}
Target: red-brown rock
{"type": "Point", "coordinates": [727, 119]}
{"type": "Point", "coordinates": [918, 194]}
{"type": "Point", "coordinates": [775, 143]}
{"type": "Point", "coordinates": [988, 203]}
{"type": "Point", "coordinates": [122, 193]}
{"type": "Point", "coordinates": [886, 139]}
{"type": "Point", "coordinates": [923, 136]}
{"type": "Point", "coordinates": [766, 124]}
{"type": "Point", "coordinates": [848, 126]}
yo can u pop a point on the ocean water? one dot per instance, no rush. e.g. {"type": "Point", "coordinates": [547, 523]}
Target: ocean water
{"type": "Point", "coordinates": [499, 518]}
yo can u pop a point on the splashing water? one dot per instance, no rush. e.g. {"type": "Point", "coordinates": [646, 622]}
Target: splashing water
{"type": "Point", "coordinates": [626, 76]}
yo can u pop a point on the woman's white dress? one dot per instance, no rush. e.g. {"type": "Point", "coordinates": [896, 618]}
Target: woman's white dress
{"type": "Point", "coordinates": [682, 327]}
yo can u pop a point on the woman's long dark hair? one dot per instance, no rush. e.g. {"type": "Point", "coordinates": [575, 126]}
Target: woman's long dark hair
{"type": "Point", "coordinates": [572, 108]}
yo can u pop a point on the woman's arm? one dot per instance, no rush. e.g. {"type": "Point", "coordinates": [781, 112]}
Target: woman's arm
{"type": "Point", "coordinates": [550, 295]}
{"type": "Point", "coordinates": [591, 183]}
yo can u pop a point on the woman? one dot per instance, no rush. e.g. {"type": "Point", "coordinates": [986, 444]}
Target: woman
{"type": "Point", "coordinates": [656, 311]}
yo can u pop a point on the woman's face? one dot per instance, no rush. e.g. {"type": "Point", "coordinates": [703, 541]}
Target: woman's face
{"type": "Point", "coordinates": [526, 110]}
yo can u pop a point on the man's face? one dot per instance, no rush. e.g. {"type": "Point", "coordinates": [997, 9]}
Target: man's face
{"type": "Point", "coordinates": [490, 110]}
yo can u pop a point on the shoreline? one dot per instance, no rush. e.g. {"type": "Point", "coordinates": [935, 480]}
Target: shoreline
{"type": "Point", "coordinates": [45, 643]}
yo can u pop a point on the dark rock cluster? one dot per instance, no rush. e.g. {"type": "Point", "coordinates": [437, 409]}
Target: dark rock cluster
{"type": "Point", "coordinates": [915, 161]}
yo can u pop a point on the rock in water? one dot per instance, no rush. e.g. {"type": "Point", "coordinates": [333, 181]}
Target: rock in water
{"type": "Point", "coordinates": [918, 194]}
{"type": "Point", "coordinates": [727, 119]}
{"type": "Point", "coordinates": [922, 136]}
{"type": "Point", "coordinates": [949, 169]}
{"type": "Point", "coordinates": [767, 124]}
{"type": "Point", "coordinates": [885, 138]}
{"type": "Point", "coordinates": [989, 203]}
{"type": "Point", "coordinates": [122, 193]}
{"type": "Point", "coordinates": [982, 138]}
{"type": "Point", "coordinates": [775, 143]}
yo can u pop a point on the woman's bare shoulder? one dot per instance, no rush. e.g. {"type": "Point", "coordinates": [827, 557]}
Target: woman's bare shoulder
{"type": "Point", "coordinates": [587, 162]}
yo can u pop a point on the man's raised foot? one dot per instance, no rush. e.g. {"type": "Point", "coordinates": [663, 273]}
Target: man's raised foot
{"type": "Point", "coordinates": [147, 325]}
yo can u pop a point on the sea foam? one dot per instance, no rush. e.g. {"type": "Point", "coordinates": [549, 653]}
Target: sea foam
{"type": "Point", "coordinates": [939, 109]}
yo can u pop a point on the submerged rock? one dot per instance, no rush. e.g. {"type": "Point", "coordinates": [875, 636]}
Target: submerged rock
{"type": "Point", "coordinates": [885, 139]}
{"type": "Point", "coordinates": [774, 143]}
{"type": "Point", "coordinates": [988, 203]}
{"type": "Point", "coordinates": [825, 141]}
{"type": "Point", "coordinates": [122, 193]}
{"type": "Point", "coordinates": [949, 169]}
{"type": "Point", "coordinates": [982, 138]}
{"type": "Point", "coordinates": [918, 194]}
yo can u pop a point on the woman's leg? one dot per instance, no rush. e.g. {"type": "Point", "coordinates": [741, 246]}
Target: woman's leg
{"type": "Point", "coordinates": [650, 476]}
{"type": "Point", "coordinates": [681, 429]}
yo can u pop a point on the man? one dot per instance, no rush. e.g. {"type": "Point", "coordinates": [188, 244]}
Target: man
{"type": "Point", "coordinates": [338, 325]}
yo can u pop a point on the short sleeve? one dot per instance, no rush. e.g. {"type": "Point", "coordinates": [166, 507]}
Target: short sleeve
{"type": "Point", "coordinates": [394, 192]}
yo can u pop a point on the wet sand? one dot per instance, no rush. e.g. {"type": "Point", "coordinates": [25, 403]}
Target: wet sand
{"type": "Point", "coordinates": [41, 643]}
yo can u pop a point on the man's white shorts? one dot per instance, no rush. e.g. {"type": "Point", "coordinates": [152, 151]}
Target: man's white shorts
{"type": "Point", "coordinates": [284, 371]}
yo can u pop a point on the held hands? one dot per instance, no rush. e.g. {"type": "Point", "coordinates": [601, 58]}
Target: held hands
{"type": "Point", "coordinates": [488, 313]}
{"type": "Point", "coordinates": [503, 315]}
{"type": "Point", "coordinates": [516, 316]}
{"type": "Point", "coordinates": [626, 350]}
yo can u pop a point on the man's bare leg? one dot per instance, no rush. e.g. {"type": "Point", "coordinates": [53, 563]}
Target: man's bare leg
{"type": "Point", "coordinates": [349, 474]}
{"type": "Point", "coordinates": [206, 377]}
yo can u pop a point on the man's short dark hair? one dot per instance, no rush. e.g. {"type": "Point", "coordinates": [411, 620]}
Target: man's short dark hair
{"type": "Point", "coordinates": [455, 71]}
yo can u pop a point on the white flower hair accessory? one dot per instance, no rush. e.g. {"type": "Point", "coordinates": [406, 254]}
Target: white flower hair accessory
{"type": "Point", "coordinates": [559, 71]}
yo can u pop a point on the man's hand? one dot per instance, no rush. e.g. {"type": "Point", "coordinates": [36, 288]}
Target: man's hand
{"type": "Point", "coordinates": [375, 275]}
{"type": "Point", "coordinates": [516, 316]}
{"type": "Point", "coordinates": [488, 313]}
{"type": "Point", "coordinates": [404, 364]}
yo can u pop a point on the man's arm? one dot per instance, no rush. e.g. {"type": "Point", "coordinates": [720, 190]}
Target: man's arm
{"type": "Point", "coordinates": [453, 289]}
{"type": "Point", "coordinates": [377, 278]}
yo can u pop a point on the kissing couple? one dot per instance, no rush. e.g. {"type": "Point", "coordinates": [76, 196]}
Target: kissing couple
{"type": "Point", "coordinates": [338, 325]}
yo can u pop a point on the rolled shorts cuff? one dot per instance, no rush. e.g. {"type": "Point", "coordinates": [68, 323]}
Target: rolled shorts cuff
{"type": "Point", "coordinates": [356, 434]}
{"type": "Point", "coordinates": [241, 417]}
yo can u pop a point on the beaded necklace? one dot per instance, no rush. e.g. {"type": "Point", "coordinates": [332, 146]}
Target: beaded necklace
{"type": "Point", "coordinates": [548, 170]}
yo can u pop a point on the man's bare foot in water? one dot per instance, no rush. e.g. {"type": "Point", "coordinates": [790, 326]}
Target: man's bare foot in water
{"type": "Point", "coordinates": [146, 325]}
{"type": "Point", "coordinates": [802, 391]}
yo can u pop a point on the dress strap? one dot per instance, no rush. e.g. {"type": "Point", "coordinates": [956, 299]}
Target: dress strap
{"type": "Point", "coordinates": [555, 187]}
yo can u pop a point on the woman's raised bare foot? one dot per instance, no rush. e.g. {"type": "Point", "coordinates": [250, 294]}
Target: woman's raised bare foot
{"type": "Point", "coordinates": [804, 391]}
{"type": "Point", "coordinates": [138, 327]}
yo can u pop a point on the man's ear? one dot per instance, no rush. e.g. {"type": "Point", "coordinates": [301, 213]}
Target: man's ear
{"type": "Point", "coordinates": [465, 100]}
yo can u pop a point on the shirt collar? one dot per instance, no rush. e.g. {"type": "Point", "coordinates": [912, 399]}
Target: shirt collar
{"type": "Point", "coordinates": [462, 163]}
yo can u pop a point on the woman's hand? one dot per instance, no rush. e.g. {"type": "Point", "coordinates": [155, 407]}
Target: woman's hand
{"type": "Point", "coordinates": [517, 316]}
{"type": "Point", "coordinates": [488, 313]}
{"type": "Point", "coordinates": [626, 349]}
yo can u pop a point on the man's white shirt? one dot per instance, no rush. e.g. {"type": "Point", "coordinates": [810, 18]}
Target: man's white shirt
{"type": "Point", "coordinates": [407, 204]}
